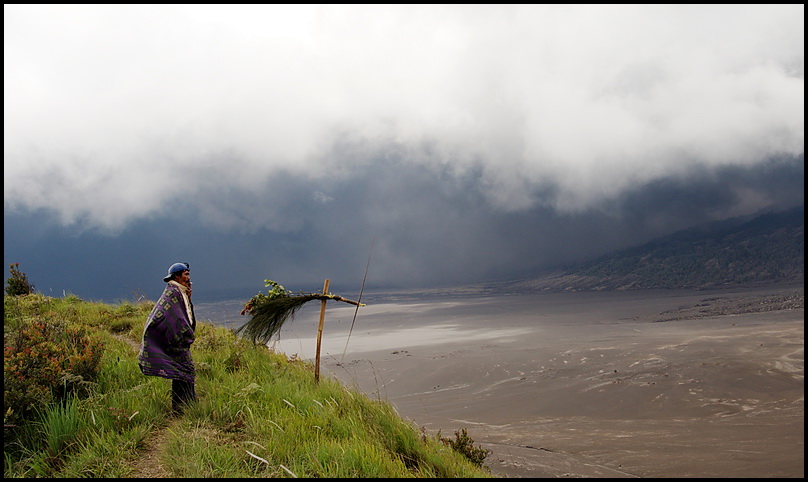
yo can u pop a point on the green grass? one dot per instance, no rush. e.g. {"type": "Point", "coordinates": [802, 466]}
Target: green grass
{"type": "Point", "coordinates": [258, 415]}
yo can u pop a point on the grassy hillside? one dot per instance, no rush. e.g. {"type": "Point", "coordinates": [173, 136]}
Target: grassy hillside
{"type": "Point", "coordinates": [259, 414]}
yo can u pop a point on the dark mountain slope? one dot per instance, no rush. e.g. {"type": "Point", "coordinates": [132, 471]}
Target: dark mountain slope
{"type": "Point", "coordinates": [768, 249]}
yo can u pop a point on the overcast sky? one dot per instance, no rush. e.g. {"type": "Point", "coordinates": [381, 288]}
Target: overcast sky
{"type": "Point", "coordinates": [463, 143]}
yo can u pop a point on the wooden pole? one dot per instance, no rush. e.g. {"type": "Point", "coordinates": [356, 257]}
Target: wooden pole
{"type": "Point", "coordinates": [320, 334]}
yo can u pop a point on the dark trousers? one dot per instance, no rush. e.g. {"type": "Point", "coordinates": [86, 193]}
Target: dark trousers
{"type": "Point", "coordinates": [181, 393]}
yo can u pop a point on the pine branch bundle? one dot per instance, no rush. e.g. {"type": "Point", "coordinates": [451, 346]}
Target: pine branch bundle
{"type": "Point", "coordinates": [268, 317]}
{"type": "Point", "coordinates": [270, 311]}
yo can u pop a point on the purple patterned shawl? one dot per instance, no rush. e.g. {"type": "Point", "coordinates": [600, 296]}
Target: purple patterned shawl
{"type": "Point", "coordinates": [167, 338]}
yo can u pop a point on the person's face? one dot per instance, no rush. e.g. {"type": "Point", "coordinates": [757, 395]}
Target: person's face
{"type": "Point", "coordinates": [184, 277]}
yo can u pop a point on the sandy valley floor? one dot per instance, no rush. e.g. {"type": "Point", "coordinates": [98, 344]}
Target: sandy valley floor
{"type": "Point", "coordinates": [629, 384]}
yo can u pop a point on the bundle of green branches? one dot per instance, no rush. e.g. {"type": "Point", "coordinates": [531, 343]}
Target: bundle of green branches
{"type": "Point", "coordinates": [268, 312]}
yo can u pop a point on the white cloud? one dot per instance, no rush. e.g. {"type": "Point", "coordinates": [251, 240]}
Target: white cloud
{"type": "Point", "coordinates": [111, 110]}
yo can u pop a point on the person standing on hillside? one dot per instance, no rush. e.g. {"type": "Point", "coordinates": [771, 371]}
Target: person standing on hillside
{"type": "Point", "coordinates": [168, 335]}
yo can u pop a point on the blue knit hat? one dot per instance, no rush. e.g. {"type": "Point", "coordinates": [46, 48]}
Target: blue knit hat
{"type": "Point", "coordinates": [176, 268]}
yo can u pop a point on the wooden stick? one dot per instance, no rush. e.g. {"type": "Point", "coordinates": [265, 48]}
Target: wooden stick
{"type": "Point", "coordinates": [336, 298]}
{"type": "Point", "coordinates": [320, 332]}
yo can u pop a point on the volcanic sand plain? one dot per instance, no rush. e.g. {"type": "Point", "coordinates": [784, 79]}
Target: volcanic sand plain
{"type": "Point", "coordinates": [679, 383]}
